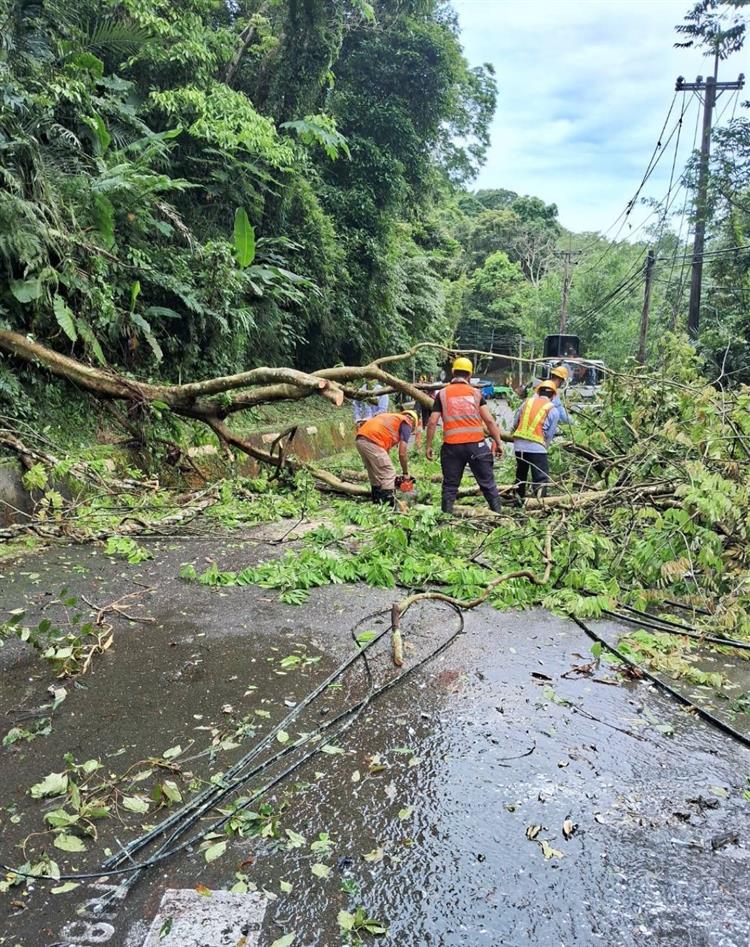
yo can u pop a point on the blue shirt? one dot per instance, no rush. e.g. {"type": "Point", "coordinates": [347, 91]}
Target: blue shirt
{"type": "Point", "coordinates": [364, 410]}
{"type": "Point", "coordinates": [549, 429]}
{"type": "Point", "coordinates": [563, 416]}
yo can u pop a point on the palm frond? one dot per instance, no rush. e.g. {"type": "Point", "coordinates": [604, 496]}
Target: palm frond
{"type": "Point", "coordinates": [110, 37]}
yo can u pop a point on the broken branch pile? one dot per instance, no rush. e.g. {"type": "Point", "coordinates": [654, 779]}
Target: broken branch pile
{"type": "Point", "coordinates": [652, 479]}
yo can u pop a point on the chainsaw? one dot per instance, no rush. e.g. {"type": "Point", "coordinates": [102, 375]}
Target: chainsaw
{"type": "Point", "coordinates": [405, 493]}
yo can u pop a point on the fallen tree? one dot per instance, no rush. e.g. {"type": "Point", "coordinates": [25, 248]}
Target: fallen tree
{"type": "Point", "coordinates": [214, 400]}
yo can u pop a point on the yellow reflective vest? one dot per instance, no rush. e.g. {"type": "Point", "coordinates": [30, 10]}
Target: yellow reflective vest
{"type": "Point", "coordinates": [531, 422]}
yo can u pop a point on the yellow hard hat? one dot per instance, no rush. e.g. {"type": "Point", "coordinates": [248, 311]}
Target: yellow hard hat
{"type": "Point", "coordinates": [463, 365]}
{"type": "Point", "coordinates": [561, 372]}
{"type": "Point", "coordinates": [544, 387]}
{"type": "Point", "coordinates": [412, 415]}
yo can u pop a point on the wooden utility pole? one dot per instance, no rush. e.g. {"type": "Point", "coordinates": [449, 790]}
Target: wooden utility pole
{"type": "Point", "coordinates": [567, 256]}
{"type": "Point", "coordinates": [711, 90]}
{"type": "Point", "coordinates": [650, 262]}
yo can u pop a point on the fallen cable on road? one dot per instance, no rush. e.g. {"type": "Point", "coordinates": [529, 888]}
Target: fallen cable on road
{"type": "Point", "coordinates": [673, 628]}
{"type": "Point", "coordinates": [662, 685]}
{"type": "Point", "coordinates": [184, 818]}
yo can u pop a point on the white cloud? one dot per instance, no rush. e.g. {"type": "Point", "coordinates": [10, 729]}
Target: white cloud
{"type": "Point", "coordinates": [584, 89]}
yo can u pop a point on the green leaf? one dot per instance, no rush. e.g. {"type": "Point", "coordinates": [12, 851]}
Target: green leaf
{"type": "Point", "coordinates": [145, 327]}
{"type": "Point", "coordinates": [244, 238]}
{"type": "Point", "coordinates": [26, 291]}
{"type": "Point", "coordinates": [172, 752]}
{"type": "Point", "coordinates": [53, 785]}
{"type": "Point", "coordinates": [102, 137]}
{"type": "Point", "coordinates": [135, 804]}
{"type": "Point", "coordinates": [366, 9]}
{"type": "Point", "coordinates": [405, 813]}
{"type": "Point", "coordinates": [331, 750]}
{"type": "Point", "coordinates": [320, 870]}
{"type": "Point", "coordinates": [286, 941]}
{"type": "Point", "coordinates": [295, 839]}
{"type": "Point", "coordinates": [282, 736]}
{"type": "Point", "coordinates": [346, 921]}
{"type": "Point", "coordinates": [286, 887]}
{"type": "Point", "coordinates": [92, 811]}
{"type": "Point", "coordinates": [170, 790]}
{"type": "Point", "coordinates": [65, 887]}
{"type": "Point", "coordinates": [165, 929]}
{"type": "Point", "coordinates": [60, 819]}
{"type": "Point", "coordinates": [65, 318]}
{"type": "Point", "coordinates": [88, 62]}
{"type": "Point", "coordinates": [215, 851]}
{"type": "Point", "coordinates": [323, 843]}
{"type": "Point", "coordinates": [92, 343]}
{"type": "Point", "coordinates": [69, 843]}
{"type": "Point", "coordinates": [104, 216]}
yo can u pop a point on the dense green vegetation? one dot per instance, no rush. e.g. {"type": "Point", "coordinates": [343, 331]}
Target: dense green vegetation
{"type": "Point", "coordinates": [199, 188]}
{"type": "Point", "coordinates": [209, 186]}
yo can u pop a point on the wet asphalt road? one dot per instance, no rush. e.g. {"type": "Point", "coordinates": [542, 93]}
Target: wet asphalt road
{"type": "Point", "coordinates": [461, 784]}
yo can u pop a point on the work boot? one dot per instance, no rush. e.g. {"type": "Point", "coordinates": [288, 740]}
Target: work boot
{"type": "Point", "coordinates": [495, 504]}
{"type": "Point", "coordinates": [375, 494]}
{"type": "Point", "coordinates": [447, 506]}
{"type": "Point", "coordinates": [386, 497]}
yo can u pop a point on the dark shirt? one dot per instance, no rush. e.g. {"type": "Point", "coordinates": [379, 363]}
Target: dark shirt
{"type": "Point", "coordinates": [404, 432]}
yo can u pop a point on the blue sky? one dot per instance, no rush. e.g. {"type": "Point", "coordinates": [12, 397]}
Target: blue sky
{"type": "Point", "coordinates": [584, 87]}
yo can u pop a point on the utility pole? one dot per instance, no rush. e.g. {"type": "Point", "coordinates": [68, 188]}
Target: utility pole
{"type": "Point", "coordinates": [650, 262]}
{"type": "Point", "coordinates": [711, 91]}
{"type": "Point", "coordinates": [568, 256]}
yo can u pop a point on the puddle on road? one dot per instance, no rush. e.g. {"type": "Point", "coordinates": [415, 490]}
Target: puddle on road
{"type": "Point", "coordinates": [430, 806]}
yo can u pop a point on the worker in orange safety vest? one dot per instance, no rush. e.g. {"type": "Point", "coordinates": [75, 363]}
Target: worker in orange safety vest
{"type": "Point", "coordinates": [376, 437]}
{"type": "Point", "coordinates": [466, 417]}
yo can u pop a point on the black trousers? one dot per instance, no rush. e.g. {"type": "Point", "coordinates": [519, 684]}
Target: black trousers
{"type": "Point", "coordinates": [453, 460]}
{"type": "Point", "coordinates": [538, 463]}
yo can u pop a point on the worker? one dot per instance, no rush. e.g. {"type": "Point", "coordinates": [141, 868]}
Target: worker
{"type": "Point", "coordinates": [534, 426]}
{"type": "Point", "coordinates": [559, 377]}
{"type": "Point", "coordinates": [465, 416]}
{"type": "Point", "coordinates": [366, 409]}
{"type": "Point", "coordinates": [375, 438]}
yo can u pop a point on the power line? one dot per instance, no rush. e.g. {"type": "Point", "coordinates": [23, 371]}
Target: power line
{"type": "Point", "coordinates": [626, 286]}
{"type": "Point", "coordinates": [683, 220]}
{"type": "Point", "coordinates": [659, 150]}
{"type": "Point", "coordinates": [647, 173]}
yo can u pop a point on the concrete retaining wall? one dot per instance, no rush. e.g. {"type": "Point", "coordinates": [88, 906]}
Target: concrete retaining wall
{"type": "Point", "coordinates": [311, 442]}
{"type": "Point", "coordinates": [14, 497]}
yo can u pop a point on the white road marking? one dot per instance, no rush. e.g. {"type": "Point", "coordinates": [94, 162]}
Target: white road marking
{"type": "Point", "coordinates": [223, 919]}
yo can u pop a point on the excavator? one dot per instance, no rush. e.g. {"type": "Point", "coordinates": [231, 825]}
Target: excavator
{"type": "Point", "coordinates": [586, 375]}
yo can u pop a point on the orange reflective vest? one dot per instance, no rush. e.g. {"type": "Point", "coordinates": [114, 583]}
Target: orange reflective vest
{"type": "Point", "coordinates": [462, 422]}
{"type": "Point", "coordinates": [383, 429]}
{"type": "Point", "coordinates": [531, 422]}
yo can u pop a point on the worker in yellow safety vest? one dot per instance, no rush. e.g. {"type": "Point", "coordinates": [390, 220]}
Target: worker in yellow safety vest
{"type": "Point", "coordinates": [376, 437]}
{"type": "Point", "coordinates": [534, 426]}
